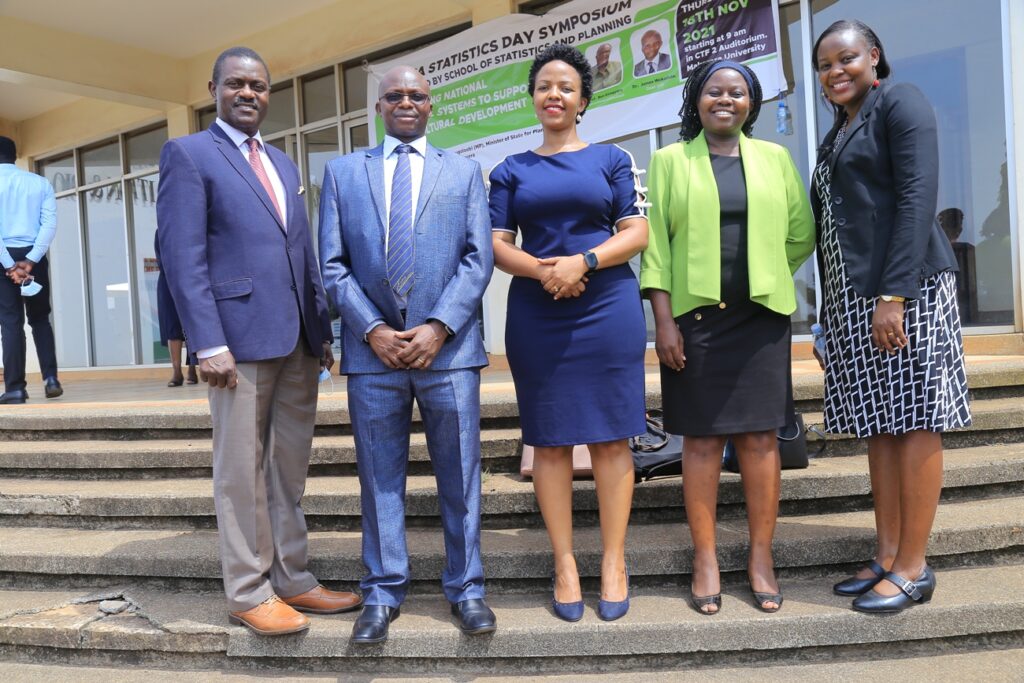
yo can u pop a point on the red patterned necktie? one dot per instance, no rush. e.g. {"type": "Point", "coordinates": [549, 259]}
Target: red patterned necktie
{"type": "Point", "coordinates": [261, 173]}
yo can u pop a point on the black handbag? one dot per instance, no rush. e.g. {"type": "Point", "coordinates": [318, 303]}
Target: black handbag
{"type": "Point", "coordinates": [656, 453]}
{"type": "Point", "coordinates": [792, 446]}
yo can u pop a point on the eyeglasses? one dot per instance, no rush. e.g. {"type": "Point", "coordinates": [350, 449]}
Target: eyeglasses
{"type": "Point", "coordinates": [414, 97]}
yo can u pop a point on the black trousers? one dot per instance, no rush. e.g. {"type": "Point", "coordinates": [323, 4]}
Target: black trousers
{"type": "Point", "coordinates": [14, 308]}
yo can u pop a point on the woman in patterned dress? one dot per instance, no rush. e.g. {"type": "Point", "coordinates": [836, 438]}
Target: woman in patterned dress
{"type": "Point", "coordinates": [894, 369]}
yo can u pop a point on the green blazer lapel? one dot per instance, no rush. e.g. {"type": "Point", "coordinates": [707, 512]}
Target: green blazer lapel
{"type": "Point", "coordinates": [762, 242]}
{"type": "Point", "coordinates": [703, 223]}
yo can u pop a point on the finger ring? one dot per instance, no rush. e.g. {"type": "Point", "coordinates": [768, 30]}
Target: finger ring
{"type": "Point", "coordinates": [557, 290]}
{"type": "Point", "coordinates": [891, 334]}
{"type": "Point", "coordinates": [422, 361]}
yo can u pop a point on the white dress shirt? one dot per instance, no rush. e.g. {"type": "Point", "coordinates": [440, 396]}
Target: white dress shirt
{"type": "Point", "coordinates": [239, 138]}
{"type": "Point", "coordinates": [416, 158]}
{"type": "Point", "coordinates": [415, 168]}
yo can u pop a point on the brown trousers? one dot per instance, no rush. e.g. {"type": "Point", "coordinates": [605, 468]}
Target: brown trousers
{"type": "Point", "coordinates": [262, 436]}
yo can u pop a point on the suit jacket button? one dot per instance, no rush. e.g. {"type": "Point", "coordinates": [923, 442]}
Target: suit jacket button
{"type": "Point", "coordinates": [840, 221]}
{"type": "Point", "coordinates": [294, 288]}
{"type": "Point", "coordinates": [838, 200]}
{"type": "Point", "coordinates": [721, 304]}
{"type": "Point", "coordinates": [697, 316]}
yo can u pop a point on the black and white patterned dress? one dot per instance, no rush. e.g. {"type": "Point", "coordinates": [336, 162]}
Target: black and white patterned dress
{"type": "Point", "coordinates": [867, 391]}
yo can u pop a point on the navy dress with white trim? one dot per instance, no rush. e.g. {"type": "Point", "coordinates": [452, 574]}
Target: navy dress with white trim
{"type": "Point", "coordinates": [577, 363]}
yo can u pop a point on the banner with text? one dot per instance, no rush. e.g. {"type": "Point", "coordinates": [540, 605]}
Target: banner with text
{"type": "Point", "coordinates": [641, 52]}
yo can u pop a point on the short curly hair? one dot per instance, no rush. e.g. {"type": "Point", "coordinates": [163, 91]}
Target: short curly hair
{"type": "Point", "coordinates": [560, 52]}
{"type": "Point", "coordinates": [690, 116]}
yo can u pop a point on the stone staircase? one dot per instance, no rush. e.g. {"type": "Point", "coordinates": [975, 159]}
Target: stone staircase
{"type": "Point", "coordinates": [113, 502]}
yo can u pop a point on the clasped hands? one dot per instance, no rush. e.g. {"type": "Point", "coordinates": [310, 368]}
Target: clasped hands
{"type": "Point", "coordinates": [412, 349]}
{"type": "Point", "coordinates": [563, 277]}
{"type": "Point", "coordinates": [20, 271]}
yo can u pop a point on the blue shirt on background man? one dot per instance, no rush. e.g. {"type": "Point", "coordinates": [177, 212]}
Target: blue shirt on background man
{"type": "Point", "coordinates": [28, 213]}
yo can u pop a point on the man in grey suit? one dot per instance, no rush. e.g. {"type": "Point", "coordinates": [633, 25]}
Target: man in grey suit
{"type": "Point", "coordinates": [654, 59]}
{"type": "Point", "coordinates": [405, 252]}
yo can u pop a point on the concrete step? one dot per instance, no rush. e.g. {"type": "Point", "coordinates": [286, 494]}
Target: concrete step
{"type": "Point", "coordinates": [968, 531]}
{"type": "Point", "coordinates": [996, 666]}
{"type": "Point", "coordinates": [332, 502]}
{"type": "Point", "coordinates": [176, 457]}
{"type": "Point", "coordinates": [988, 377]}
{"type": "Point", "coordinates": [996, 420]}
{"type": "Point", "coordinates": [189, 630]}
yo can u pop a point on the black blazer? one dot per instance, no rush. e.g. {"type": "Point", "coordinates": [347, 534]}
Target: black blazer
{"type": "Point", "coordinates": [885, 178]}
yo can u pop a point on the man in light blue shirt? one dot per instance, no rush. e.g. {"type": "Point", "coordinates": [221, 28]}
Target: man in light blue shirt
{"type": "Point", "coordinates": [28, 222]}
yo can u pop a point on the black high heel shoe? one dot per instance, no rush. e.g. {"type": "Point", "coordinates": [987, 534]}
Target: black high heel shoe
{"type": "Point", "coordinates": [853, 586]}
{"type": "Point", "coordinates": [699, 603]}
{"type": "Point", "coordinates": [761, 598]}
{"type": "Point", "coordinates": [918, 591]}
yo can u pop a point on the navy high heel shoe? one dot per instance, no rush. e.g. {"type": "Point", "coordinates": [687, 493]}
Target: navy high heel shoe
{"type": "Point", "coordinates": [609, 610]}
{"type": "Point", "coordinates": [567, 611]}
{"type": "Point", "coordinates": [852, 587]}
{"type": "Point", "coordinates": [916, 592]}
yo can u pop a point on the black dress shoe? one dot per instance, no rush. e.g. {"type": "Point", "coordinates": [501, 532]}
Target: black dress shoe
{"type": "Point", "coordinates": [475, 617]}
{"type": "Point", "coordinates": [372, 624]}
{"type": "Point", "coordinates": [53, 388]}
{"type": "Point", "coordinates": [918, 591]}
{"type": "Point", "coordinates": [12, 397]}
{"type": "Point", "coordinates": [853, 586]}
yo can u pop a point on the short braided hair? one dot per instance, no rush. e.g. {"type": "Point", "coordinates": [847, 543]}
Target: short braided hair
{"type": "Point", "coordinates": [690, 116]}
{"type": "Point", "coordinates": [560, 52]}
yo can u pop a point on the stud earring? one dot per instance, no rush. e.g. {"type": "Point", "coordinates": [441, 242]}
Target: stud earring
{"type": "Point", "coordinates": [874, 72]}
{"type": "Point", "coordinates": [579, 117]}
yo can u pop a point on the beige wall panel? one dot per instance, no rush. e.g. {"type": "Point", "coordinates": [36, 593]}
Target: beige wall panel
{"type": "Point", "coordinates": [336, 33]}
{"type": "Point", "coordinates": [89, 67]}
{"type": "Point", "coordinates": [79, 123]}
{"type": "Point", "coordinates": [9, 129]}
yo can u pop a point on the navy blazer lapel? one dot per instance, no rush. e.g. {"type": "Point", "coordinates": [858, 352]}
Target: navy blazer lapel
{"type": "Point", "coordinates": [432, 164]}
{"type": "Point", "coordinates": [858, 122]}
{"type": "Point", "coordinates": [234, 157]}
{"type": "Point", "coordinates": [375, 177]}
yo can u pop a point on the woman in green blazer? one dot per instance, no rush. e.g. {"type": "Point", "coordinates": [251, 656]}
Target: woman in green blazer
{"type": "Point", "coordinates": [729, 225]}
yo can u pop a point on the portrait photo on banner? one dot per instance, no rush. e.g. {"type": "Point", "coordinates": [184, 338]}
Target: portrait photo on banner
{"type": "Point", "coordinates": [605, 59]}
{"type": "Point", "coordinates": [649, 45]}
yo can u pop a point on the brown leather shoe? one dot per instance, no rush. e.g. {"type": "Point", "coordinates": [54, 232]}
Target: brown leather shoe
{"type": "Point", "coordinates": [272, 617]}
{"type": "Point", "coordinates": [321, 600]}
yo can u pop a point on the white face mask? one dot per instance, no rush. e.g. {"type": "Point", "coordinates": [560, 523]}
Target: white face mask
{"type": "Point", "coordinates": [325, 376]}
{"type": "Point", "coordinates": [30, 287]}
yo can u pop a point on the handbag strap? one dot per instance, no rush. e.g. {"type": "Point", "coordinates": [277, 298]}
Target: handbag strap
{"type": "Point", "coordinates": [822, 438]}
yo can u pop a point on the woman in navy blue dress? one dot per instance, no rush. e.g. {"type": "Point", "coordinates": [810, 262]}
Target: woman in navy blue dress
{"type": "Point", "coordinates": [575, 334]}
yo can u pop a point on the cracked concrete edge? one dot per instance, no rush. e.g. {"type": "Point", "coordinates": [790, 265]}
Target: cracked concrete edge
{"type": "Point", "coordinates": [56, 602]}
{"type": "Point", "coordinates": [134, 629]}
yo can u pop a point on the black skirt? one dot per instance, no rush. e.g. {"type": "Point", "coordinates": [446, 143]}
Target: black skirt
{"type": "Point", "coordinates": [737, 377]}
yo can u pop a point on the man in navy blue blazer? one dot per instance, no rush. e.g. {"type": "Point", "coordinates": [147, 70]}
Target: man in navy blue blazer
{"type": "Point", "coordinates": [238, 257]}
{"type": "Point", "coordinates": [405, 251]}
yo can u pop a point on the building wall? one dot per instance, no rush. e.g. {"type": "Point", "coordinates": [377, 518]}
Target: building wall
{"type": "Point", "coordinates": [120, 100]}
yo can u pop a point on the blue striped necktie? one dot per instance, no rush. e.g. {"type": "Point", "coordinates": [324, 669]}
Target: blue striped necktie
{"type": "Point", "coordinates": [401, 250]}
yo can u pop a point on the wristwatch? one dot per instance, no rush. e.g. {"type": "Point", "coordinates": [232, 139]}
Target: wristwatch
{"type": "Point", "coordinates": [590, 258]}
{"type": "Point", "coordinates": [887, 298]}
